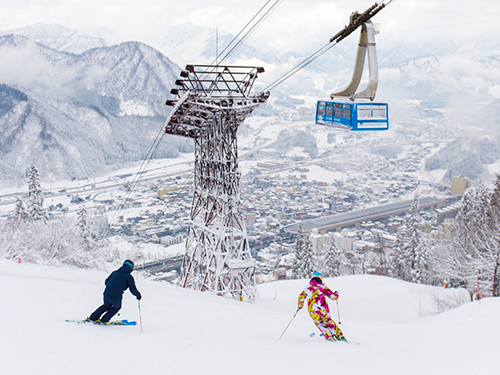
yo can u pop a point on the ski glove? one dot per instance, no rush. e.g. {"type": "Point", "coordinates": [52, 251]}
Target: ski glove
{"type": "Point", "coordinates": [139, 298]}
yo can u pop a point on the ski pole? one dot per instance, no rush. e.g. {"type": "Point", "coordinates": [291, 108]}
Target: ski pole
{"type": "Point", "coordinates": [140, 315]}
{"type": "Point", "coordinates": [289, 323]}
{"type": "Point", "coordinates": [338, 310]}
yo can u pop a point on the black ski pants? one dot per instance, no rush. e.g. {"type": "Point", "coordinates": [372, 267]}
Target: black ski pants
{"type": "Point", "coordinates": [109, 309]}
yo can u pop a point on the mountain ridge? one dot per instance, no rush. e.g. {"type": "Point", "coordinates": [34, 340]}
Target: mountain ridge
{"type": "Point", "coordinates": [77, 115]}
{"type": "Point", "coordinates": [58, 37]}
{"type": "Point", "coordinates": [116, 94]}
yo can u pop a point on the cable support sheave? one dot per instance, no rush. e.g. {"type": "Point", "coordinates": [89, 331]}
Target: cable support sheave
{"type": "Point", "coordinates": [346, 31]}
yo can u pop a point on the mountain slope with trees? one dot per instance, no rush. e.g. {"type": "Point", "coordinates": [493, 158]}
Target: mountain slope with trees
{"type": "Point", "coordinates": [80, 115]}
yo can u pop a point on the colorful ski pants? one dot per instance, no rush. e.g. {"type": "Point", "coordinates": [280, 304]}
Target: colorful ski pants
{"type": "Point", "coordinates": [325, 324]}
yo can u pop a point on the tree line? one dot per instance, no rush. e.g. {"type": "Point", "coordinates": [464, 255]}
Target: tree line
{"type": "Point", "coordinates": [30, 235]}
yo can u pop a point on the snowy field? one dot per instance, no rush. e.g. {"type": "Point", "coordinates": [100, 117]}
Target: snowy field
{"type": "Point", "coordinates": [186, 332]}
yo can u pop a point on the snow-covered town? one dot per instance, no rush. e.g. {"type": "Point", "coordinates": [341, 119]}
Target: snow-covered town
{"type": "Point", "coordinates": [281, 188]}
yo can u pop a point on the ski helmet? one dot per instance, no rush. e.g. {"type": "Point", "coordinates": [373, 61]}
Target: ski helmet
{"type": "Point", "coordinates": [129, 263]}
{"type": "Point", "coordinates": [318, 275]}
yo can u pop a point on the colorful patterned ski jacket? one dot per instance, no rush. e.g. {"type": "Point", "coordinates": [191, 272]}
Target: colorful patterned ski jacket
{"type": "Point", "coordinates": [315, 294]}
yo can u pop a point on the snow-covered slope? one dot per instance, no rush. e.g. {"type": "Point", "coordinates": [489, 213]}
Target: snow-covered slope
{"type": "Point", "coordinates": [187, 332]}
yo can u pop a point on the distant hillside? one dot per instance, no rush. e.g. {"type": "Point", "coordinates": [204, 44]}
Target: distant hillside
{"type": "Point", "coordinates": [58, 37]}
{"type": "Point", "coordinates": [78, 115]}
{"type": "Point", "coordinates": [79, 108]}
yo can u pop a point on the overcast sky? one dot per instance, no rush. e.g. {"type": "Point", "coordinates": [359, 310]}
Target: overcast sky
{"type": "Point", "coordinates": [293, 23]}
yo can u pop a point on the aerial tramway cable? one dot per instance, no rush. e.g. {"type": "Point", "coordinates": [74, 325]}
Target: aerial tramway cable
{"type": "Point", "coordinates": [300, 66]}
{"type": "Point", "coordinates": [332, 43]}
{"type": "Point", "coordinates": [161, 133]}
{"type": "Point", "coordinates": [248, 33]}
{"type": "Point", "coordinates": [252, 29]}
{"type": "Point", "coordinates": [138, 175]}
{"type": "Point", "coordinates": [346, 31]}
{"type": "Point", "coordinates": [218, 60]}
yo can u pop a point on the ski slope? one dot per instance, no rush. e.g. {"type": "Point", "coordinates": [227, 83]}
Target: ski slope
{"type": "Point", "coordinates": [187, 332]}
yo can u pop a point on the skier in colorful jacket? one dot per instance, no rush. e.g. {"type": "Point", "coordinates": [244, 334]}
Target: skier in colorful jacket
{"type": "Point", "coordinates": [318, 308]}
{"type": "Point", "coordinates": [116, 283]}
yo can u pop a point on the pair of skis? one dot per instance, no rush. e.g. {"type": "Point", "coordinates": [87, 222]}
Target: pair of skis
{"type": "Point", "coordinates": [313, 335]}
{"type": "Point", "coordinates": [110, 323]}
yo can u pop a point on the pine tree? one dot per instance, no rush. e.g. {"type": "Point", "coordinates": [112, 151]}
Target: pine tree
{"type": "Point", "coordinates": [35, 196]}
{"type": "Point", "coordinates": [472, 241]}
{"type": "Point", "coordinates": [85, 230]}
{"type": "Point", "coordinates": [411, 259]}
{"type": "Point", "coordinates": [468, 247]}
{"type": "Point", "coordinates": [421, 263]}
{"type": "Point", "coordinates": [303, 266]}
{"type": "Point", "coordinates": [20, 214]}
{"type": "Point", "coordinates": [333, 258]}
{"type": "Point", "coordinates": [398, 265]}
{"type": "Point", "coordinates": [417, 249]}
{"type": "Point", "coordinates": [491, 235]}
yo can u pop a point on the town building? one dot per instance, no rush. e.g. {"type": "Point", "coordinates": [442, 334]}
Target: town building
{"type": "Point", "coordinates": [459, 185]}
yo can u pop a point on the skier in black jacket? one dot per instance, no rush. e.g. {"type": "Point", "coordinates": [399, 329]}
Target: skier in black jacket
{"type": "Point", "coordinates": [116, 283]}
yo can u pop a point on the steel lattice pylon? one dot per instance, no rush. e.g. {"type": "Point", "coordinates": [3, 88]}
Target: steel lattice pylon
{"type": "Point", "coordinates": [210, 103]}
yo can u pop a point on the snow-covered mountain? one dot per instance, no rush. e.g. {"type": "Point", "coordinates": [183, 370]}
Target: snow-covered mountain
{"type": "Point", "coordinates": [453, 82]}
{"type": "Point", "coordinates": [58, 37]}
{"type": "Point", "coordinates": [77, 115]}
{"type": "Point", "coordinates": [188, 43]}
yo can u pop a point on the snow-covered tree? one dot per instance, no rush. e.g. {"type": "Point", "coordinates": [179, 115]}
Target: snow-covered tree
{"type": "Point", "coordinates": [492, 231]}
{"type": "Point", "coordinates": [352, 263]}
{"type": "Point", "coordinates": [20, 214]}
{"type": "Point", "coordinates": [358, 262]}
{"type": "Point", "coordinates": [333, 258]}
{"type": "Point", "coordinates": [411, 259]}
{"type": "Point", "coordinates": [303, 265]}
{"type": "Point", "coordinates": [54, 242]}
{"type": "Point", "coordinates": [381, 260]}
{"type": "Point", "coordinates": [35, 196]}
{"type": "Point", "coordinates": [85, 230]}
{"type": "Point", "coordinates": [62, 240]}
{"type": "Point", "coordinates": [467, 250]}
{"type": "Point", "coordinates": [420, 272]}
{"type": "Point", "coordinates": [398, 265]}
{"type": "Point", "coordinates": [487, 239]}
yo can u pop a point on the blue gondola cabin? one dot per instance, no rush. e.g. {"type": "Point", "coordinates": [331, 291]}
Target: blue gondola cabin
{"type": "Point", "coordinates": [356, 116]}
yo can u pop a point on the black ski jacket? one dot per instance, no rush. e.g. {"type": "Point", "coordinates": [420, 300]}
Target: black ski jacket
{"type": "Point", "coordinates": [118, 282]}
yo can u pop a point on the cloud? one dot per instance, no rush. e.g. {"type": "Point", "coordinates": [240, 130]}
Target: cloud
{"type": "Point", "coordinates": [26, 67]}
{"type": "Point", "coordinates": [295, 25]}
